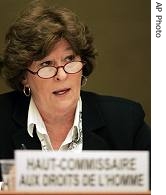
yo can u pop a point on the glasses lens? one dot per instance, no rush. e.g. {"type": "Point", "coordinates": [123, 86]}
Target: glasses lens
{"type": "Point", "coordinates": [47, 72]}
{"type": "Point", "coordinates": [73, 67]}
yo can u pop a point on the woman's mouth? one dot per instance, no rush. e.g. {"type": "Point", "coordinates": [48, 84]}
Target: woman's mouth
{"type": "Point", "coordinates": [61, 91]}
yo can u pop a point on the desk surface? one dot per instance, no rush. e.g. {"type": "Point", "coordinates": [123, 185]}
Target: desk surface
{"type": "Point", "coordinates": [74, 193]}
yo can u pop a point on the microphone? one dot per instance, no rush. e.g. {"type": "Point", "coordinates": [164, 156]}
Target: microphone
{"type": "Point", "coordinates": [23, 147]}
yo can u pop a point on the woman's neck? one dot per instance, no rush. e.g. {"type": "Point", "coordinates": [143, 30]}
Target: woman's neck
{"type": "Point", "coordinates": [58, 124]}
{"type": "Point", "coordinates": [58, 117]}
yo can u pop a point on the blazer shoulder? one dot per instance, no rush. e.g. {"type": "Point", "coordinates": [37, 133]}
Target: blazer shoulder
{"type": "Point", "coordinates": [112, 102]}
{"type": "Point", "coordinates": [9, 99]}
{"type": "Point", "coordinates": [115, 109]}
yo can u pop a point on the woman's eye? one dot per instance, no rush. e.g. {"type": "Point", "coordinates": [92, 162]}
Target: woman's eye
{"type": "Point", "coordinates": [70, 58]}
{"type": "Point", "coordinates": [47, 63]}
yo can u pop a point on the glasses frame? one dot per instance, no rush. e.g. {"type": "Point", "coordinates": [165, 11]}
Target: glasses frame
{"type": "Point", "coordinates": [36, 73]}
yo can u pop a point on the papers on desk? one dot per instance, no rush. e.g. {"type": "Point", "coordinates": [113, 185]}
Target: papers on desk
{"type": "Point", "coordinates": [88, 171]}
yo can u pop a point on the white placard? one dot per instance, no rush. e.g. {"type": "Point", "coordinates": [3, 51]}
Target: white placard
{"type": "Point", "coordinates": [88, 171]}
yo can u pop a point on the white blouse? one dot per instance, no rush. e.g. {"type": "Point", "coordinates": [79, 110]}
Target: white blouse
{"type": "Point", "coordinates": [73, 140]}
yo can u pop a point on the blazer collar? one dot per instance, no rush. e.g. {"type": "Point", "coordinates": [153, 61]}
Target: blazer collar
{"type": "Point", "coordinates": [93, 123]}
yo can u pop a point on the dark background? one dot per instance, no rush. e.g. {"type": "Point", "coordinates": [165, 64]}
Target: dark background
{"type": "Point", "coordinates": [122, 32]}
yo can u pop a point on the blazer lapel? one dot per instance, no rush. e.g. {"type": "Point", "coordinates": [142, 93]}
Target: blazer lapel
{"type": "Point", "coordinates": [93, 123]}
{"type": "Point", "coordinates": [20, 133]}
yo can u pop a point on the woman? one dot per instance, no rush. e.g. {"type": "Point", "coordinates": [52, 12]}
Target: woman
{"type": "Point", "coordinates": [48, 56]}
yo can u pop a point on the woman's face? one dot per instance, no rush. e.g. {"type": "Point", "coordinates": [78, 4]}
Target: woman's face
{"type": "Point", "coordinates": [63, 90]}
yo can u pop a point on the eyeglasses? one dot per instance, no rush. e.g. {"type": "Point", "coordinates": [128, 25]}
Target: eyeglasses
{"type": "Point", "coordinates": [50, 71]}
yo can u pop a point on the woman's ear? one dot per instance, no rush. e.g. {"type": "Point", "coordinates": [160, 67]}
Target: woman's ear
{"type": "Point", "coordinates": [24, 81]}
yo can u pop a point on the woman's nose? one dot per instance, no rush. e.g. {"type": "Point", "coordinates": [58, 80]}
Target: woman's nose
{"type": "Point", "coordinates": [61, 74]}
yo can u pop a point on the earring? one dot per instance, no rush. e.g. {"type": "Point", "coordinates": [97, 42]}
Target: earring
{"type": "Point", "coordinates": [27, 91]}
{"type": "Point", "coordinates": [84, 81]}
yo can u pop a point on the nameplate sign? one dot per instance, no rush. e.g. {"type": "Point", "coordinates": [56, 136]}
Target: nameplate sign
{"type": "Point", "coordinates": [88, 171]}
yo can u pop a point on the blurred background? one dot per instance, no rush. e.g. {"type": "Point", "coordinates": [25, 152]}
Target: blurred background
{"type": "Point", "coordinates": [122, 33]}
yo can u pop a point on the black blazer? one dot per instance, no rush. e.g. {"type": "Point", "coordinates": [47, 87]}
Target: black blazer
{"type": "Point", "coordinates": [109, 123]}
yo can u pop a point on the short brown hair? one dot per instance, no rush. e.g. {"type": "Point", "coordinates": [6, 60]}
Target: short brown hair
{"type": "Point", "coordinates": [33, 35]}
